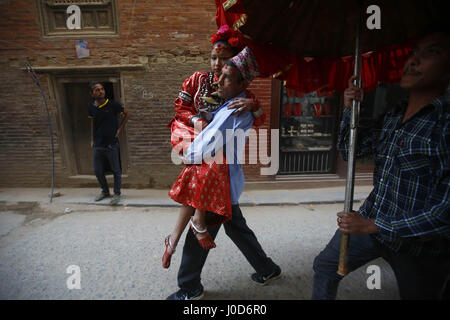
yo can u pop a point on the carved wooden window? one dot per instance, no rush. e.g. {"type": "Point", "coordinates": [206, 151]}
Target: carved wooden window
{"type": "Point", "coordinates": [99, 18]}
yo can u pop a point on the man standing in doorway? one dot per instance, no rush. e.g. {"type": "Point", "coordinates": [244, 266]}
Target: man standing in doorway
{"type": "Point", "coordinates": [104, 139]}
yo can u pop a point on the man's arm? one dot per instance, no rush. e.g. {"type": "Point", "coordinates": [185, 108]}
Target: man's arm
{"type": "Point", "coordinates": [214, 136]}
{"type": "Point", "coordinates": [367, 137]}
{"type": "Point", "coordinates": [354, 223]}
{"type": "Point", "coordinates": [124, 122]}
{"type": "Point", "coordinates": [249, 103]}
{"type": "Point", "coordinates": [92, 132]}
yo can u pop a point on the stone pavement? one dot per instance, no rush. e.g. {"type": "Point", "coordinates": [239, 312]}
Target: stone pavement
{"type": "Point", "coordinates": [118, 249]}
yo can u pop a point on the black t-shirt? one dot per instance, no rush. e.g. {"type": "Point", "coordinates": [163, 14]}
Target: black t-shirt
{"type": "Point", "coordinates": [105, 122]}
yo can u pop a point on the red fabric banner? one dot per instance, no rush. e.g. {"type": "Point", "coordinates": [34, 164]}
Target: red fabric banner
{"type": "Point", "coordinates": [307, 75]}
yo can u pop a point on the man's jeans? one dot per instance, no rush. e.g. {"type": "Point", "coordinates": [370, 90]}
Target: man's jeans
{"type": "Point", "coordinates": [417, 277]}
{"type": "Point", "coordinates": [109, 155]}
{"type": "Point", "coordinates": [194, 256]}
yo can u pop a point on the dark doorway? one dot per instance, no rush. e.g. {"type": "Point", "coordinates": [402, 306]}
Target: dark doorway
{"type": "Point", "coordinates": [77, 101]}
{"type": "Point", "coordinates": [74, 97]}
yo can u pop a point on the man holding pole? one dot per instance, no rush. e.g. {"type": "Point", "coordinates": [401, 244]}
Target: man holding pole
{"type": "Point", "coordinates": [406, 217]}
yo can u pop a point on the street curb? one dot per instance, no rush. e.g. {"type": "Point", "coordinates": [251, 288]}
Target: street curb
{"type": "Point", "coordinates": [165, 205]}
{"type": "Point", "coordinates": [131, 198]}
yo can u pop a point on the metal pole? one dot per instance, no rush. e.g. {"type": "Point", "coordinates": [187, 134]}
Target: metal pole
{"type": "Point", "coordinates": [349, 188]}
{"type": "Point", "coordinates": [33, 75]}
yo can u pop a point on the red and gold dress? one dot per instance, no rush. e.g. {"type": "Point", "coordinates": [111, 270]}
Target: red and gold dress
{"type": "Point", "coordinates": [204, 186]}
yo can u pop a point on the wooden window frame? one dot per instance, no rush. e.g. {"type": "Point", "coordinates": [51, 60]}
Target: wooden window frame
{"type": "Point", "coordinates": [45, 20]}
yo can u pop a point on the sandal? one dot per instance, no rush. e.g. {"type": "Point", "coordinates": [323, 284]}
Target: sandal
{"type": "Point", "coordinates": [101, 196]}
{"type": "Point", "coordinates": [115, 200]}
{"type": "Point", "coordinates": [167, 255]}
{"type": "Point", "coordinates": [206, 242]}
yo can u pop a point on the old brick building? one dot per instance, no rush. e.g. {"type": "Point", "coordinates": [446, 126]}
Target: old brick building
{"type": "Point", "coordinates": [142, 50]}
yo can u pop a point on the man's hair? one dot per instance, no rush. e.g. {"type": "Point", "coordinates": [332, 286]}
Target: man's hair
{"type": "Point", "coordinates": [231, 64]}
{"type": "Point", "coordinates": [93, 84]}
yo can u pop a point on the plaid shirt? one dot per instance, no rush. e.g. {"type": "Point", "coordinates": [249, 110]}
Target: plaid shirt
{"type": "Point", "coordinates": [410, 201]}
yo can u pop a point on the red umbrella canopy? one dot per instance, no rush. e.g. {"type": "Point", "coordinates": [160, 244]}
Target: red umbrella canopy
{"type": "Point", "coordinates": [317, 28]}
{"type": "Point", "coordinates": [325, 30]}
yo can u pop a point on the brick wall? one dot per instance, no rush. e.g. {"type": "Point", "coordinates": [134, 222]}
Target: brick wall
{"type": "Point", "coordinates": [261, 88]}
{"type": "Point", "coordinates": [170, 38]}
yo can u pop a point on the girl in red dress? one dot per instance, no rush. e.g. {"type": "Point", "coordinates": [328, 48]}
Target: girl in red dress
{"type": "Point", "coordinates": [206, 187]}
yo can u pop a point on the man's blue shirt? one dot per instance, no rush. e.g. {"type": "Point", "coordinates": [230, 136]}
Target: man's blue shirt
{"type": "Point", "coordinates": [215, 137]}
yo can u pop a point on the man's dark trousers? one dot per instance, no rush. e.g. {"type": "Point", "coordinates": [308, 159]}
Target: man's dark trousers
{"type": "Point", "coordinates": [111, 155]}
{"type": "Point", "coordinates": [194, 256]}
{"type": "Point", "coordinates": [417, 277]}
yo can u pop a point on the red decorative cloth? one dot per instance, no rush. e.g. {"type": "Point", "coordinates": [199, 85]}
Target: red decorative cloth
{"type": "Point", "coordinates": [205, 187]}
{"type": "Point", "coordinates": [230, 16]}
{"type": "Point", "coordinates": [327, 108]}
{"type": "Point", "coordinates": [298, 109]}
{"type": "Point", "coordinates": [226, 34]}
{"type": "Point", "coordinates": [287, 110]}
{"type": "Point", "coordinates": [307, 75]}
{"type": "Point", "coordinates": [317, 109]}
